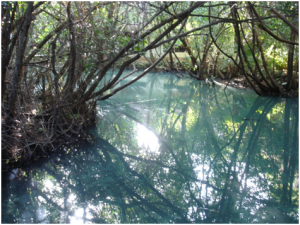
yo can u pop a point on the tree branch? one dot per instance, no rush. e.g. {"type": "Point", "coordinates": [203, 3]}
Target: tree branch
{"type": "Point", "coordinates": [142, 74]}
{"type": "Point", "coordinates": [180, 17]}
{"type": "Point", "coordinates": [263, 27]}
{"type": "Point", "coordinates": [284, 19]}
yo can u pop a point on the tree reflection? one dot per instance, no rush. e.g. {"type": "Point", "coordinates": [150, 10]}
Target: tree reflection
{"type": "Point", "coordinates": [223, 157]}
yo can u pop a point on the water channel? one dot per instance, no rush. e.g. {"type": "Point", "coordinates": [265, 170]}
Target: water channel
{"type": "Point", "coordinates": [169, 150]}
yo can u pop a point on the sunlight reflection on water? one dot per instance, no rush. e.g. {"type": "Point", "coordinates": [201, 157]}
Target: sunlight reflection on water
{"type": "Point", "coordinates": [147, 139]}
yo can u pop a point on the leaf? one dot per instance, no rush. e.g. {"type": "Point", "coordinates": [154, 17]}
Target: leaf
{"type": "Point", "coordinates": [138, 49]}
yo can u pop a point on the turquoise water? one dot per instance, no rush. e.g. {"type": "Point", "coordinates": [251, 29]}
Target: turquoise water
{"type": "Point", "coordinates": [169, 150]}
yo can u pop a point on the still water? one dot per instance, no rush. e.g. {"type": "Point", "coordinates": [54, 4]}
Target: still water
{"type": "Point", "coordinates": [169, 150]}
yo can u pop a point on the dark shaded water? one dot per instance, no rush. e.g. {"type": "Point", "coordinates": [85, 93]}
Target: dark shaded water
{"type": "Point", "coordinates": [169, 150]}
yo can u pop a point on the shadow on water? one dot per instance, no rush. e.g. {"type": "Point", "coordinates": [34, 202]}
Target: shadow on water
{"type": "Point", "coordinates": [169, 151]}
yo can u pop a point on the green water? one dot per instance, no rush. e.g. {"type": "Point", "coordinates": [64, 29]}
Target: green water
{"type": "Point", "coordinates": [169, 150]}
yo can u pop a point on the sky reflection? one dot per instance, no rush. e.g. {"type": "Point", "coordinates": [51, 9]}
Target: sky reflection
{"type": "Point", "coordinates": [147, 139]}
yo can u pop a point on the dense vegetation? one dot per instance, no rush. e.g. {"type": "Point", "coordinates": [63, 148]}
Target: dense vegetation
{"type": "Point", "coordinates": [59, 58]}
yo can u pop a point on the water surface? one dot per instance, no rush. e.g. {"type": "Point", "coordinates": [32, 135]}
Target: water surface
{"type": "Point", "coordinates": [169, 150]}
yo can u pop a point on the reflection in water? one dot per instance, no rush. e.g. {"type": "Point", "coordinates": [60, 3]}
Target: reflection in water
{"type": "Point", "coordinates": [147, 139]}
{"type": "Point", "coordinates": [169, 150]}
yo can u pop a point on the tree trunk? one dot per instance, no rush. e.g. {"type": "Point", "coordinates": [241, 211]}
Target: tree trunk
{"type": "Point", "coordinates": [203, 67]}
{"type": "Point", "coordinates": [171, 62]}
{"type": "Point", "coordinates": [71, 76]}
{"type": "Point", "coordinates": [290, 62]}
{"type": "Point", "coordinates": [19, 59]}
{"type": "Point", "coordinates": [6, 41]}
{"type": "Point", "coordinates": [152, 59]}
{"type": "Point", "coordinates": [190, 52]}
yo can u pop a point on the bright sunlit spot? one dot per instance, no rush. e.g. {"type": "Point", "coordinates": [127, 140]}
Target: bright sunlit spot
{"type": "Point", "coordinates": [81, 215]}
{"type": "Point", "coordinates": [48, 185]}
{"type": "Point", "coordinates": [147, 139]}
{"type": "Point", "coordinates": [77, 218]}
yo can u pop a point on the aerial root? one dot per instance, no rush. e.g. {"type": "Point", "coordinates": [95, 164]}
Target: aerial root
{"type": "Point", "coordinates": [30, 136]}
